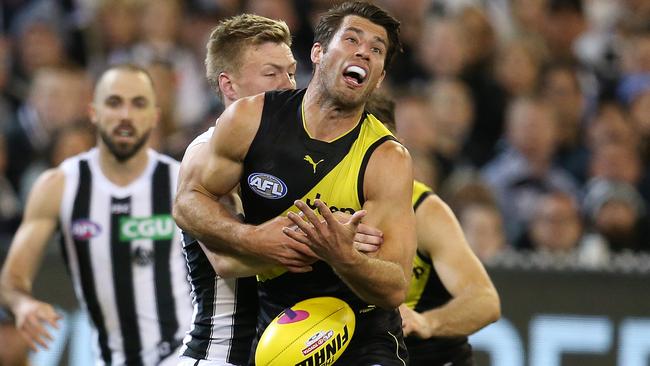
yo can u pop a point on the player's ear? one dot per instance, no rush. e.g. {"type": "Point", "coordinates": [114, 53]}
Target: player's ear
{"type": "Point", "coordinates": [158, 116]}
{"type": "Point", "coordinates": [316, 52]}
{"type": "Point", "coordinates": [226, 86]}
{"type": "Point", "coordinates": [381, 78]}
{"type": "Point", "coordinates": [92, 112]}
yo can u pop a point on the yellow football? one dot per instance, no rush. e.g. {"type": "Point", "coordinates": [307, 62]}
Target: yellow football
{"type": "Point", "coordinates": [313, 332]}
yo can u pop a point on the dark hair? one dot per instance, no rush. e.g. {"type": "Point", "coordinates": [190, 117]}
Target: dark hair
{"type": "Point", "coordinates": [330, 22]}
{"type": "Point", "coordinates": [559, 6]}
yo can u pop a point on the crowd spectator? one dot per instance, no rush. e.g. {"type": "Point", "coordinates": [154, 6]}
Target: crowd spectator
{"type": "Point", "coordinates": [10, 206]}
{"type": "Point", "coordinates": [452, 118]}
{"type": "Point", "coordinates": [616, 212]}
{"type": "Point", "coordinates": [414, 123]}
{"type": "Point", "coordinates": [58, 96]}
{"type": "Point", "coordinates": [564, 22]}
{"type": "Point", "coordinates": [557, 231]}
{"type": "Point", "coordinates": [524, 170]}
{"type": "Point", "coordinates": [159, 33]}
{"type": "Point", "coordinates": [480, 218]}
{"type": "Point", "coordinates": [560, 86]}
{"type": "Point", "coordinates": [634, 90]}
{"type": "Point", "coordinates": [518, 65]}
{"type": "Point", "coordinates": [66, 141]}
{"type": "Point", "coordinates": [7, 100]}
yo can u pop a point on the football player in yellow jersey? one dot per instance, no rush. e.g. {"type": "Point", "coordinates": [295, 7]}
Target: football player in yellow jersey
{"type": "Point", "coordinates": [246, 55]}
{"type": "Point", "coordinates": [332, 106]}
{"type": "Point", "coordinates": [451, 295]}
{"type": "Point", "coordinates": [354, 44]}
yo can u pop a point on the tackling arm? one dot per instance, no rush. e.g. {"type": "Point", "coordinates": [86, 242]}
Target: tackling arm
{"type": "Point", "coordinates": [209, 173]}
{"type": "Point", "coordinates": [197, 206]}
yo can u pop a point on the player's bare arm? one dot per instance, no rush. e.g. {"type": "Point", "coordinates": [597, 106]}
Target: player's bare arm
{"type": "Point", "coordinates": [383, 279]}
{"type": "Point", "coordinates": [225, 265]}
{"type": "Point", "coordinates": [39, 223]}
{"type": "Point", "coordinates": [211, 173]}
{"type": "Point", "coordinates": [475, 302]}
{"type": "Point", "coordinates": [367, 240]}
{"type": "Point", "coordinates": [228, 266]}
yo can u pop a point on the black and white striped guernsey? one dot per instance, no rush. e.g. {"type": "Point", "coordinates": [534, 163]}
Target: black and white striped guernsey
{"type": "Point", "coordinates": [124, 253]}
{"type": "Point", "coordinates": [225, 310]}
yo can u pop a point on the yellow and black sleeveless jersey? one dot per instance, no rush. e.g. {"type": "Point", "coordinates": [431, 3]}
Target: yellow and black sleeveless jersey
{"type": "Point", "coordinates": [427, 292]}
{"type": "Point", "coordinates": [285, 164]}
{"type": "Point", "coordinates": [420, 192]}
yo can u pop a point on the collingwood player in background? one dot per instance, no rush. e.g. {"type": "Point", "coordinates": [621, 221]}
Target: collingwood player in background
{"type": "Point", "coordinates": [112, 206]}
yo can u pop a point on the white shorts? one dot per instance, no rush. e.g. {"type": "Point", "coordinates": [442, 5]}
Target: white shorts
{"type": "Point", "coordinates": [188, 361]}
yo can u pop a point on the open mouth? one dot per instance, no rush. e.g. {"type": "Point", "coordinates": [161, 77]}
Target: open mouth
{"type": "Point", "coordinates": [124, 131]}
{"type": "Point", "coordinates": [355, 74]}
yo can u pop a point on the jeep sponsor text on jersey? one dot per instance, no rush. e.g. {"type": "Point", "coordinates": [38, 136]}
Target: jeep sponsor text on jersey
{"type": "Point", "coordinates": [312, 205]}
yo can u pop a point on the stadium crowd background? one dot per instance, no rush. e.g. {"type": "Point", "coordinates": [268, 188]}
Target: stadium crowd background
{"type": "Point", "coordinates": [530, 117]}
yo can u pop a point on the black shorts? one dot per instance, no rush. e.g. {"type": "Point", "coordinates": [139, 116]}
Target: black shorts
{"type": "Point", "coordinates": [377, 340]}
{"type": "Point", "coordinates": [455, 356]}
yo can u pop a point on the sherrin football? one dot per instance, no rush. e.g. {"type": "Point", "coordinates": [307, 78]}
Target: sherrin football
{"type": "Point", "coordinates": [313, 332]}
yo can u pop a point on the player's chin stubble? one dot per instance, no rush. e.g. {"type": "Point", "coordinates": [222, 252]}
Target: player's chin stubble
{"type": "Point", "coordinates": [121, 152]}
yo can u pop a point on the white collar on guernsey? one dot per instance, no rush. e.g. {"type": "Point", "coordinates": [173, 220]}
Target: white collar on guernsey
{"type": "Point", "coordinates": [121, 191]}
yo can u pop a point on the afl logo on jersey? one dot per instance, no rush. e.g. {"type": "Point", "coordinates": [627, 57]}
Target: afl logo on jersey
{"type": "Point", "coordinates": [267, 185]}
{"type": "Point", "coordinates": [84, 229]}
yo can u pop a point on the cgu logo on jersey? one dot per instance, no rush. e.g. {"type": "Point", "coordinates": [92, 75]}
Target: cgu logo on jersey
{"type": "Point", "coordinates": [325, 355]}
{"type": "Point", "coordinates": [267, 185]}
{"type": "Point", "coordinates": [157, 227]}
{"type": "Point", "coordinates": [84, 229]}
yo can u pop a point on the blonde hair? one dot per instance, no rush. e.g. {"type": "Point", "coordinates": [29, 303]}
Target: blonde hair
{"type": "Point", "coordinates": [229, 39]}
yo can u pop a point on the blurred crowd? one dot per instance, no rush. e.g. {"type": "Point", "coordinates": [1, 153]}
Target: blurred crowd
{"type": "Point", "coordinates": [531, 118]}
